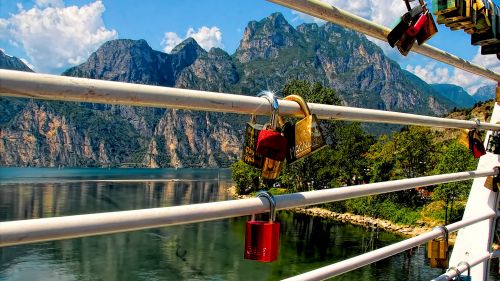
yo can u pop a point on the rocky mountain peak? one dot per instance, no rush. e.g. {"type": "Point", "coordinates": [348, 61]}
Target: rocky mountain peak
{"type": "Point", "coordinates": [188, 46]}
{"type": "Point", "coordinates": [265, 38]}
{"type": "Point", "coordinates": [12, 63]}
{"type": "Point", "coordinates": [122, 60]}
{"type": "Point", "coordinates": [308, 28]}
{"type": "Point", "coordinates": [485, 93]}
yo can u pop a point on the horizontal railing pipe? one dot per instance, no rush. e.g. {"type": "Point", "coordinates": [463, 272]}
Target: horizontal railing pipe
{"type": "Point", "coordinates": [62, 88]}
{"type": "Point", "coordinates": [338, 16]}
{"type": "Point", "coordinates": [382, 253]}
{"type": "Point", "coordinates": [46, 229]}
{"type": "Point", "coordinates": [450, 274]}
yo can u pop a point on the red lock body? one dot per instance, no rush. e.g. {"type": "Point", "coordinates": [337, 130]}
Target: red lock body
{"type": "Point", "coordinates": [272, 144]}
{"type": "Point", "coordinates": [415, 29]}
{"type": "Point", "coordinates": [262, 241]}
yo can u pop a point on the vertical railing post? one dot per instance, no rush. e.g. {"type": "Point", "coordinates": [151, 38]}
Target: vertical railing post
{"type": "Point", "coordinates": [476, 239]}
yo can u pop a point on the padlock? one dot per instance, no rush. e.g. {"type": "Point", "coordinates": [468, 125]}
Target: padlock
{"type": "Point", "coordinates": [491, 35]}
{"type": "Point", "coordinates": [428, 30]}
{"type": "Point", "coordinates": [405, 22]}
{"type": "Point", "coordinates": [262, 237]}
{"type": "Point", "coordinates": [493, 182]}
{"type": "Point", "coordinates": [421, 29]}
{"type": "Point", "coordinates": [493, 145]}
{"type": "Point", "coordinates": [461, 14]}
{"type": "Point", "coordinates": [476, 145]}
{"type": "Point", "coordinates": [437, 250]}
{"type": "Point", "coordinates": [304, 137]}
{"type": "Point", "coordinates": [419, 24]}
{"type": "Point", "coordinates": [483, 33]}
{"type": "Point", "coordinates": [271, 169]}
{"type": "Point", "coordinates": [444, 6]}
{"type": "Point", "coordinates": [271, 143]}
{"type": "Point", "coordinates": [250, 155]}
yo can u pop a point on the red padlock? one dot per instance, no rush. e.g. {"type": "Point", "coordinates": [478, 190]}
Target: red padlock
{"type": "Point", "coordinates": [415, 29]}
{"type": "Point", "coordinates": [271, 143]}
{"type": "Point", "coordinates": [262, 237]}
{"type": "Point", "coordinates": [476, 143]}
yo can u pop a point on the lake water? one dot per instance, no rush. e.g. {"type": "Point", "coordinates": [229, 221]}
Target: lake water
{"type": "Point", "coordinates": [202, 251]}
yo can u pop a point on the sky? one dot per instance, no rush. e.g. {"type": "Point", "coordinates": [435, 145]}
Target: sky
{"type": "Point", "coordinates": [53, 35]}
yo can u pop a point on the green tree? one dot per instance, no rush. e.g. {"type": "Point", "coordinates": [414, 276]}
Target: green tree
{"type": "Point", "coordinates": [415, 151]}
{"type": "Point", "coordinates": [454, 158]}
{"type": "Point", "coordinates": [311, 92]}
{"type": "Point", "coordinates": [408, 154]}
{"type": "Point", "coordinates": [245, 177]}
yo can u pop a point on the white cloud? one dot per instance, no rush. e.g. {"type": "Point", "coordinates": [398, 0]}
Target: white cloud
{"type": "Point", "coordinates": [170, 40]}
{"type": "Point", "coordinates": [206, 37]}
{"type": "Point", "coordinates": [55, 37]}
{"type": "Point", "coordinates": [383, 12]}
{"type": "Point", "coordinates": [49, 3]}
{"type": "Point", "coordinates": [434, 73]}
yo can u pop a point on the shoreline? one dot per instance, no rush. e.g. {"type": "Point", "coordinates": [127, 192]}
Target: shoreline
{"type": "Point", "coordinates": [360, 220]}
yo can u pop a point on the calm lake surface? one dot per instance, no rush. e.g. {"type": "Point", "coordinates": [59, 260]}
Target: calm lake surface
{"type": "Point", "coordinates": [203, 251]}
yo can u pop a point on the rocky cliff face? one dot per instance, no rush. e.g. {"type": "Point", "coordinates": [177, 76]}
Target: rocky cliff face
{"type": "Point", "coordinates": [12, 63]}
{"type": "Point", "coordinates": [455, 93]}
{"type": "Point", "coordinates": [485, 93]}
{"type": "Point", "coordinates": [272, 52]}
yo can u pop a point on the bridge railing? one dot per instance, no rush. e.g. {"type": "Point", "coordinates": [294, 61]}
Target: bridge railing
{"type": "Point", "coordinates": [45, 229]}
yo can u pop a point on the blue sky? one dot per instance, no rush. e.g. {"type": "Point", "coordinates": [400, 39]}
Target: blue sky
{"type": "Point", "coordinates": [52, 35]}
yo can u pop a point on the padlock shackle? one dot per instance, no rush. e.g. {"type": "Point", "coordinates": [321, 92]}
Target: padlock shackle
{"type": "Point", "coordinates": [273, 101]}
{"type": "Point", "coordinates": [478, 123]}
{"type": "Point", "coordinates": [272, 204]}
{"type": "Point", "coordinates": [302, 103]}
{"type": "Point", "coordinates": [466, 264]}
{"type": "Point", "coordinates": [407, 3]}
{"type": "Point", "coordinates": [456, 271]}
{"type": "Point", "coordinates": [253, 119]}
{"type": "Point", "coordinates": [443, 230]}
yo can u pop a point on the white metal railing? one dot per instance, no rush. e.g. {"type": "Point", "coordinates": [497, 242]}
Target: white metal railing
{"type": "Point", "coordinates": [463, 268]}
{"type": "Point", "coordinates": [382, 253]}
{"type": "Point", "coordinates": [45, 229]}
{"type": "Point", "coordinates": [338, 16]}
{"type": "Point", "coordinates": [52, 87]}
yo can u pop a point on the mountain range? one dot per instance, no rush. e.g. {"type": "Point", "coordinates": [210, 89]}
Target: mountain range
{"type": "Point", "coordinates": [271, 53]}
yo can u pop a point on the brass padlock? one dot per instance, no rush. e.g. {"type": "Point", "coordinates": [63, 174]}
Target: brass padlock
{"type": "Point", "coordinates": [493, 182]}
{"type": "Point", "coordinates": [437, 250]}
{"type": "Point", "coordinates": [271, 169]}
{"type": "Point", "coordinates": [250, 155]}
{"type": "Point", "coordinates": [305, 136]}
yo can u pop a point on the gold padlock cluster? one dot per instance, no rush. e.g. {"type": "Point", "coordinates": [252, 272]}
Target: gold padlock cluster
{"type": "Point", "coordinates": [479, 18]}
{"type": "Point", "coordinates": [302, 138]}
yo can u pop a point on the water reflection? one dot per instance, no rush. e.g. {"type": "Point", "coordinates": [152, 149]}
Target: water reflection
{"type": "Point", "coordinates": [203, 251]}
